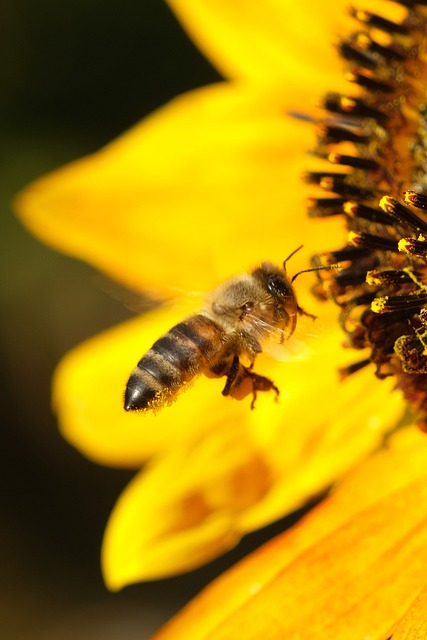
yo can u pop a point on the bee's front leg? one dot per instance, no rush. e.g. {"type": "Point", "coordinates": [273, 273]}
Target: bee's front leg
{"type": "Point", "coordinates": [303, 312]}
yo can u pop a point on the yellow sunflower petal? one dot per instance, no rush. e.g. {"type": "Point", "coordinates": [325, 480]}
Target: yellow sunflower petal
{"type": "Point", "coordinates": [208, 180]}
{"type": "Point", "coordinates": [198, 500]}
{"type": "Point", "coordinates": [181, 511]}
{"type": "Point", "coordinates": [273, 40]}
{"type": "Point", "coordinates": [313, 442]}
{"type": "Point", "coordinates": [266, 40]}
{"type": "Point", "coordinates": [350, 570]}
{"type": "Point", "coordinates": [88, 393]}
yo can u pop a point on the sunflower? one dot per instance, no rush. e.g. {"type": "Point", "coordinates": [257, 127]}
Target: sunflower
{"type": "Point", "coordinates": [214, 179]}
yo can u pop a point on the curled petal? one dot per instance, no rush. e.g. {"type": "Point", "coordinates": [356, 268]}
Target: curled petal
{"type": "Point", "coordinates": [350, 569]}
{"type": "Point", "coordinates": [181, 511]}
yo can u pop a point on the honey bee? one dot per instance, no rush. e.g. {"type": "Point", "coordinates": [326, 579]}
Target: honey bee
{"type": "Point", "coordinates": [223, 340]}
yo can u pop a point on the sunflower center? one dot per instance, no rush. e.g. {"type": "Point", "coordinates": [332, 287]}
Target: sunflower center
{"type": "Point", "coordinates": [375, 143]}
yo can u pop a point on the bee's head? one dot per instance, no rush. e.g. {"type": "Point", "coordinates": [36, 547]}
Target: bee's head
{"type": "Point", "coordinates": [276, 282]}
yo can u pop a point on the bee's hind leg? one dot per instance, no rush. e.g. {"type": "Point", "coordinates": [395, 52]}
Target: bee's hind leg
{"type": "Point", "coordinates": [242, 381]}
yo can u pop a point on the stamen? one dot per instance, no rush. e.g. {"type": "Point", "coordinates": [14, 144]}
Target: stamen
{"type": "Point", "coordinates": [365, 41]}
{"type": "Point", "coordinates": [345, 316]}
{"type": "Point", "coordinates": [345, 372]}
{"type": "Point", "coordinates": [317, 177]}
{"type": "Point", "coordinates": [387, 278]}
{"type": "Point", "coordinates": [352, 276]}
{"type": "Point", "coordinates": [394, 208]}
{"type": "Point", "coordinates": [374, 20]}
{"type": "Point", "coordinates": [369, 82]}
{"type": "Point", "coordinates": [413, 247]}
{"type": "Point", "coordinates": [411, 3]}
{"type": "Point", "coordinates": [418, 200]}
{"type": "Point", "coordinates": [356, 107]}
{"type": "Point", "coordinates": [354, 53]}
{"type": "Point", "coordinates": [342, 255]}
{"type": "Point", "coordinates": [329, 134]}
{"type": "Point", "coordinates": [391, 304]}
{"type": "Point", "coordinates": [324, 207]}
{"type": "Point", "coordinates": [353, 161]}
{"type": "Point", "coordinates": [360, 239]}
{"type": "Point", "coordinates": [358, 210]}
{"type": "Point", "coordinates": [341, 185]}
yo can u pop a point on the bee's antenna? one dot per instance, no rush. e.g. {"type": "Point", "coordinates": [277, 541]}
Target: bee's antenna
{"type": "Point", "coordinates": [328, 268]}
{"type": "Point", "coordinates": [291, 255]}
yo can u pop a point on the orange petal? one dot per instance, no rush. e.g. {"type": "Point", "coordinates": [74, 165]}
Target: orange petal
{"type": "Point", "coordinates": [413, 625]}
{"type": "Point", "coordinates": [213, 180]}
{"type": "Point", "coordinates": [350, 569]}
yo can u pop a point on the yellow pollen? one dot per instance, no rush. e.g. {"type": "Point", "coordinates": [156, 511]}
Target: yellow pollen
{"type": "Point", "coordinates": [334, 157]}
{"type": "Point", "coordinates": [347, 104]}
{"type": "Point", "coordinates": [379, 304]}
{"type": "Point", "coordinates": [404, 245]}
{"type": "Point", "coordinates": [386, 203]}
{"type": "Point", "coordinates": [354, 238]}
{"type": "Point", "coordinates": [363, 41]}
{"type": "Point", "coordinates": [361, 15]}
{"type": "Point", "coordinates": [373, 278]}
{"type": "Point", "coordinates": [350, 207]}
{"type": "Point", "coordinates": [327, 183]}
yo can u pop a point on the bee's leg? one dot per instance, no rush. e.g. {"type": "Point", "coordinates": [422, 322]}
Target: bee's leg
{"type": "Point", "coordinates": [303, 312]}
{"type": "Point", "coordinates": [252, 362]}
{"type": "Point", "coordinates": [261, 383]}
{"type": "Point", "coordinates": [231, 376]}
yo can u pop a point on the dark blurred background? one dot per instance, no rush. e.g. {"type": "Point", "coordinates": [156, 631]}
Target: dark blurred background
{"type": "Point", "coordinates": [74, 74]}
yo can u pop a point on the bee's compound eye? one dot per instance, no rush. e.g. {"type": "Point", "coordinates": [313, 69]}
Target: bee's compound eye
{"type": "Point", "coordinates": [278, 286]}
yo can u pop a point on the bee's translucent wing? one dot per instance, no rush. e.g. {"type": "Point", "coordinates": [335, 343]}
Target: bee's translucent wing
{"type": "Point", "coordinates": [296, 347]}
{"type": "Point", "coordinates": [291, 350]}
{"type": "Point", "coordinates": [140, 302]}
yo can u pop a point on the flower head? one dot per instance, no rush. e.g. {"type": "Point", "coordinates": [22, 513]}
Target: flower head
{"type": "Point", "coordinates": [229, 159]}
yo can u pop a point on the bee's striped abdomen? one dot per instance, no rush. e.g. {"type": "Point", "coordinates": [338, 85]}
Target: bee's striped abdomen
{"type": "Point", "coordinates": [173, 360]}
